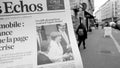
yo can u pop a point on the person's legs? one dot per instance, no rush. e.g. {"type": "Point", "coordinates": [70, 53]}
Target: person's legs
{"type": "Point", "coordinates": [80, 41]}
{"type": "Point", "coordinates": [84, 44]}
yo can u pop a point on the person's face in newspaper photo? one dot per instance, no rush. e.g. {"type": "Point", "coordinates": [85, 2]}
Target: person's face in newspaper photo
{"type": "Point", "coordinates": [56, 36]}
{"type": "Point", "coordinates": [62, 27]}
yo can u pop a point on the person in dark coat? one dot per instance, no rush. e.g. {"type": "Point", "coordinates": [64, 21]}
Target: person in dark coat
{"type": "Point", "coordinates": [82, 35]}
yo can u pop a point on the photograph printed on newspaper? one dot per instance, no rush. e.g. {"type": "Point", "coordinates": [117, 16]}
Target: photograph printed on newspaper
{"type": "Point", "coordinates": [53, 44]}
{"type": "Point", "coordinates": [57, 46]}
{"type": "Point", "coordinates": [37, 34]}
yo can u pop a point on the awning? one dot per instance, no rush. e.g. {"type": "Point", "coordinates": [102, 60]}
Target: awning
{"type": "Point", "coordinates": [88, 15]}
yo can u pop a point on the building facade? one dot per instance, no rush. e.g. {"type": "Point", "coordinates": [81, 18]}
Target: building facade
{"type": "Point", "coordinates": [89, 18]}
{"type": "Point", "coordinates": [74, 4]}
{"type": "Point", "coordinates": [90, 6]}
{"type": "Point", "coordinates": [108, 12]}
{"type": "Point", "coordinates": [98, 16]}
{"type": "Point", "coordinates": [82, 11]}
{"type": "Point", "coordinates": [118, 10]}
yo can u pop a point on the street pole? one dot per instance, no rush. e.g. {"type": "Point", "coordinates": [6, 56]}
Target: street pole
{"type": "Point", "coordinates": [112, 11]}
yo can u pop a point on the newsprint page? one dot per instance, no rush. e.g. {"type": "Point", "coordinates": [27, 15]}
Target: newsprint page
{"type": "Point", "coordinates": [37, 34]}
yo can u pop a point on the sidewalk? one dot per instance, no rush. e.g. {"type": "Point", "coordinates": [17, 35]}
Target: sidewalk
{"type": "Point", "coordinates": [101, 52]}
{"type": "Point", "coordinates": [116, 34]}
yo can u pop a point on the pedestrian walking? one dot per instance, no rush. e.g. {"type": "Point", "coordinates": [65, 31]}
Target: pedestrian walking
{"type": "Point", "coordinates": [82, 35]}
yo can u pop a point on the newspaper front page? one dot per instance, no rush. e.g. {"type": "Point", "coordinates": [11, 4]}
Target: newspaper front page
{"type": "Point", "coordinates": [37, 34]}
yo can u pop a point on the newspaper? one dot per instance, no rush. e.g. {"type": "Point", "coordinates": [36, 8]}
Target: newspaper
{"type": "Point", "coordinates": [37, 34]}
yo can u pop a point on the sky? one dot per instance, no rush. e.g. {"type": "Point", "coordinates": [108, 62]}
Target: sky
{"type": "Point", "coordinates": [98, 3]}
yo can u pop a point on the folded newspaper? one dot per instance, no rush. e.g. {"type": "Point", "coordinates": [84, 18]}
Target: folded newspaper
{"type": "Point", "coordinates": [37, 34]}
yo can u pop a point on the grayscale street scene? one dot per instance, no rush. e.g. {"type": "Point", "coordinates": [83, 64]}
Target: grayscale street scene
{"type": "Point", "coordinates": [59, 33]}
{"type": "Point", "coordinates": [99, 44]}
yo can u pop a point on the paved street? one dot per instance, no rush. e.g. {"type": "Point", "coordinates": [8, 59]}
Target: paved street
{"type": "Point", "coordinates": [101, 52]}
